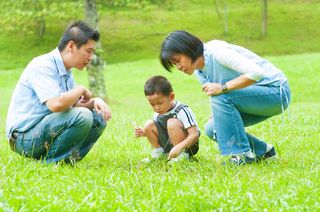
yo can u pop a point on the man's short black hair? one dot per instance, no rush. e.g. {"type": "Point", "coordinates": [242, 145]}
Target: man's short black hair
{"type": "Point", "coordinates": [157, 85]}
{"type": "Point", "coordinates": [79, 32]}
{"type": "Point", "coordinates": [180, 42]}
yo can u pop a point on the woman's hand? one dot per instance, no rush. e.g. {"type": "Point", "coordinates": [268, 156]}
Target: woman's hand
{"type": "Point", "coordinates": [212, 89]}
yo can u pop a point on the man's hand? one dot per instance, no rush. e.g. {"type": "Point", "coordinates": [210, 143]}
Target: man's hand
{"type": "Point", "coordinates": [86, 95]}
{"type": "Point", "coordinates": [102, 108]}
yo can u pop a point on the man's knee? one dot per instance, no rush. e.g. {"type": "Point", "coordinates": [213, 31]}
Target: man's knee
{"type": "Point", "coordinates": [98, 120]}
{"type": "Point", "coordinates": [84, 116]}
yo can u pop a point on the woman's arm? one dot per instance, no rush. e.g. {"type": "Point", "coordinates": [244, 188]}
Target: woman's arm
{"type": "Point", "coordinates": [213, 89]}
{"type": "Point", "coordinates": [229, 57]}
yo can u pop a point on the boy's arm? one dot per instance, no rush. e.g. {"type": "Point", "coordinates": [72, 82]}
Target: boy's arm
{"type": "Point", "coordinates": [192, 138]}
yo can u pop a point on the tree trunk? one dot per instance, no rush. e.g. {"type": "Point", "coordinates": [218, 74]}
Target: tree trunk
{"type": "Point", "coordinates": [224, 17]}
{"type": "Point", "coordinates": [264, 17]}
{"type": "Point", "coordinates": [41, 26]}
{"type": "Point", "coordinates": [96, 67]}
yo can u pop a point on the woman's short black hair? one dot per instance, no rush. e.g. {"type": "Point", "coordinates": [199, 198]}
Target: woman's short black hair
{"type": "Point", "coordinates": [180, 42]}
{"type": "Point", "coordinates": [79, 32]}
{"type": "Point", "coordinates": [157, 85]}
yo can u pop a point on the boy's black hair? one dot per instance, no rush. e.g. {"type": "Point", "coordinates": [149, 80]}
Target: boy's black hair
{"type": "Point", "coordinates": [180, 42]}
{"type": "Point", "coordinates": [80, 33]}
{"type": "Point", "coordinates": [158, 85]}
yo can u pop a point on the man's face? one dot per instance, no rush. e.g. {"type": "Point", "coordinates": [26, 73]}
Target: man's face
{"type": "Point", "coordinates": [160, 103]}
{"type": "Point", "coordinates": [83, 56]}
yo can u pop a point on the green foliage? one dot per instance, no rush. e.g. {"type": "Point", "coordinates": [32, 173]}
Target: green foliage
{"type": "Point", "coordinates": [29, 16]}
{"type": "Point", "coordinates": [112, 178]}
{"type": "Point", "coordinates": [130, 34]}
{"type": "Point", "coordinates": [134, 4]}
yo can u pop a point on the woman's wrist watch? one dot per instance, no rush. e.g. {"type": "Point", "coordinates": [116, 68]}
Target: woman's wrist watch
{"type": "Point", "coordinates": [224, 88]}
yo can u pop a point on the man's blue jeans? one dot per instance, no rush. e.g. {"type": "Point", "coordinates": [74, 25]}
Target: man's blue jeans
{"type": "Point", "coordinates": [234, 111]}
{"type": "Point", "coordinates": [65, 136]}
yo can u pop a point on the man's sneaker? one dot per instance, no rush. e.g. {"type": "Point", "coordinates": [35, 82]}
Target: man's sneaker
{"type": "Point", "coordinates": [184, 156]}
{"type": "Point", "coordinates": [156, 154]}
{"type": "Point", "coordinates": [270, 152]}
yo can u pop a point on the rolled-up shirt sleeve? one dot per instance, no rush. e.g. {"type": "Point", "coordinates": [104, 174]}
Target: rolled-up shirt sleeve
{"type": "Point", "coordinates": [232, 59]}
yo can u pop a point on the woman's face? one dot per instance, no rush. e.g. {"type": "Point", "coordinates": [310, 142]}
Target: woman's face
{"type": "Point", "coordinates": [184, 63]}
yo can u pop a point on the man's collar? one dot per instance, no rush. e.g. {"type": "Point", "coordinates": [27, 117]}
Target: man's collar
{"type": "Point", "coordinates": [59, 62]}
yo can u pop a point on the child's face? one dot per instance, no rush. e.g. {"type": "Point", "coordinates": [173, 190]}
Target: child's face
{"type": "Point", "coordinates": [161, 103]}
{"type": "Point", "coordinates": [185, 64]}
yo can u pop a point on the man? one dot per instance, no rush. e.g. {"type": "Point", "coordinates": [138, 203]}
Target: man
{"type": "Point", "coordinates": [50, 118]}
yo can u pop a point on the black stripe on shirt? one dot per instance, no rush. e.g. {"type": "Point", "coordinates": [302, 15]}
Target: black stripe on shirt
{"type": "Point", "coordinates": [190, 120]}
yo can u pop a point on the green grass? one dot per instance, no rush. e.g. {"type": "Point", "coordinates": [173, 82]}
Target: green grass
{"type": "Point", "coordinates": [112, 177]}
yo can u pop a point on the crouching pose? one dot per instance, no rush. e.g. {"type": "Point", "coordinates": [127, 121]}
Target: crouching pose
{"type": "Point", "coordinates": [50, 118]}
{"type": "Point", "coordinates": [244, 89]}
{"type": "Point", "coordinates": [173, 130]}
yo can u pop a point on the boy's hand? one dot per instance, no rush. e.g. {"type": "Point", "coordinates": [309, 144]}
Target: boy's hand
{"type": "Point", "coordinates": [175, 151]}
{"type": "Point", "coordinates": [138, 132]}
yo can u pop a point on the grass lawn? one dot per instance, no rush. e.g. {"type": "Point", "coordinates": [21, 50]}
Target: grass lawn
{"type": "Point", "coordinates": [112, 177]}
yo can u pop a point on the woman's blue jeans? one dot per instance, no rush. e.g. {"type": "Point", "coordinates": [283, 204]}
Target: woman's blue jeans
{"type": "Point", "coordinates": [234, 111]}
{"type": "Point", "coordinates": [64, 136]}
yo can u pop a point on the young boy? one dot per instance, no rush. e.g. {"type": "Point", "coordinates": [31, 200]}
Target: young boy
{"type": "Point", "coordinates": [173, 130]}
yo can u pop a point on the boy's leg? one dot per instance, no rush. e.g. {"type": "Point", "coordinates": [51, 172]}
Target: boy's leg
{"type": "Point", "coordinates": [177, 134]}
{"type": "Point", "coordinates": [57, 136]}
{"type": "Point", "coordinates": [151, 132]}
{"type": "Point", "coordinates": [176, 131]}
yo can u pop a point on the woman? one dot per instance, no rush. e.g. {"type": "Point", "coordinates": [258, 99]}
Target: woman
{"type": "Point", "coordinates": [244, 89]}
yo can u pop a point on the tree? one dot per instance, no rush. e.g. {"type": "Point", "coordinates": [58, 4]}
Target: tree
{"type": "Point", "coordinates": [264, 17]}
{"type": "Point", "coordinates": [29, 16]}
{"type": "Point", "coordinates": [96, 67]}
